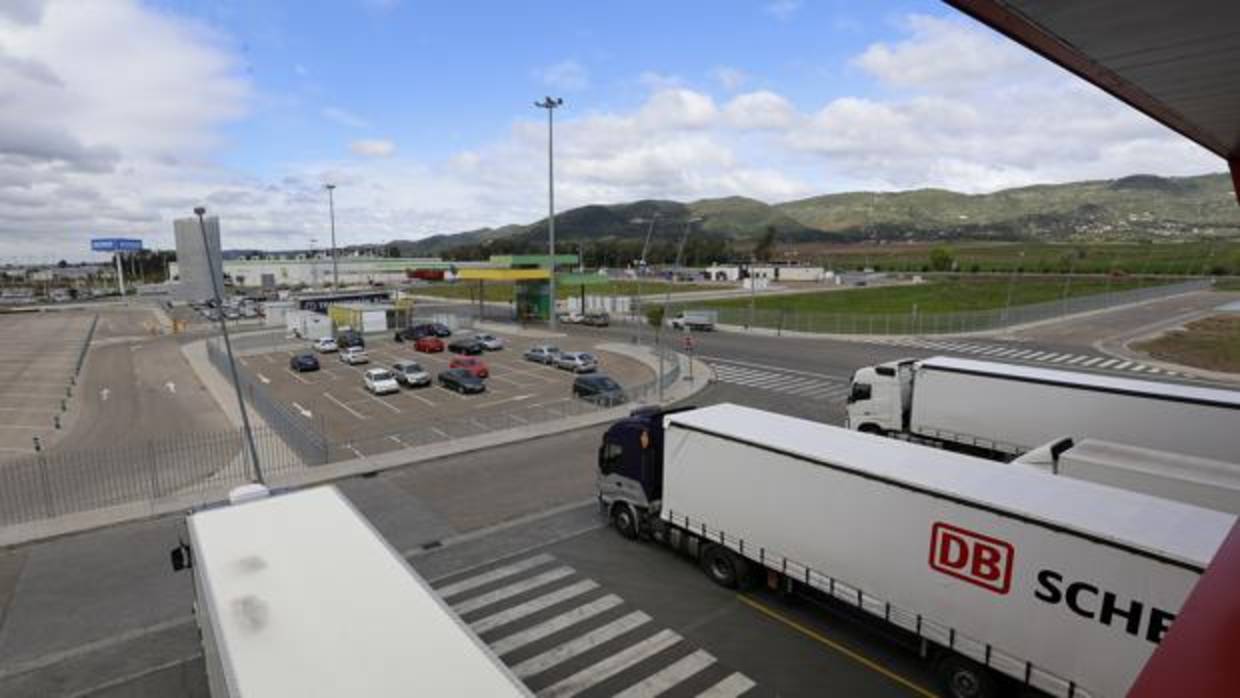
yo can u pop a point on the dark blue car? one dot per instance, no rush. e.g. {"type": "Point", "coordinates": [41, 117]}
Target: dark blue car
{"type": "Point", "coordinates": [303, 362]}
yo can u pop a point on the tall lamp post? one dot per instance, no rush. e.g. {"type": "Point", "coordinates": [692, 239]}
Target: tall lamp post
{"type": "Point", "coordinates": [201, 211]}
{"type": "Point", "coordinates": [551, 104]}
{"type": "Point", "coordinates": [331, 208]}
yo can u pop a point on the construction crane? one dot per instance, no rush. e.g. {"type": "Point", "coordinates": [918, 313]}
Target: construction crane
{"type": "Point", "coordinates": [680, 252]}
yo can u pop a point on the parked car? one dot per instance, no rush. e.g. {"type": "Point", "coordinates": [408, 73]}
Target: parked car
{"type": "Point", "coordinates": [596, 318]}
{"type": "Point", "coordinates": [231, 314]}
{"type": "Point", "coordinates": [473, 364]}
{"type": "Point", "coordinates": [599, 389]}
{"type": "Point", "coordinates": [415, 332]}
{"type": "Point", "coordinates": [441, 330]}
{"type": "Point", "coordinates": [576, 361]}
{"type": "Point", "coordinates": [543, 354]}
{"type": "Point", "coordinates": [354, 356]}
{"type": "Point", "coordinates": [461, 380]}
{"type": "Point", "coordinates": [411, 373]}
{"type": "Point", "coordinates": [380, 381]}
{"type": "Point", "coordinates": [303, 362]}
{"type": "Point", "coordinates": [350, 338]}
{"type": "Point", "coordinates": [428, 345]}
{"type": "Point", "coordinates": [489, 342]}
{"type": "Point", "coordinates": [325, 345]}
{"type": "Point", "coordinates": [467, 345]}
{"type": "Point", "coordinates": [571, 317]}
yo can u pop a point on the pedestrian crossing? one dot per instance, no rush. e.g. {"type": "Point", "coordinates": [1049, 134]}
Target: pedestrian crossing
{"type": "Point", "coordinates": [1007, 352]}
{"type": "Point", "coordinates": [564, 635]}
{"type": "Point", "coordinates": [811, 386]}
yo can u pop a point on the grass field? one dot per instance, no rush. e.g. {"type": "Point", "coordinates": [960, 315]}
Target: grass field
{"type": "Point", "coordinates": [503, 292]}
{"type": "Point", "coordinates": [955, 295]}
{"type": "Point", "coordinates": [1191, 258]}
{"type": "Point", "coordinates": [1211, 343]}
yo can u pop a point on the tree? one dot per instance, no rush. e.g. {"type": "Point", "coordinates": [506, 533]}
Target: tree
{"type": "Point", "coordinates": [62, 264]}
{"type": "Point", "coordinates": [765, 249]}
{"type": "Point", "coordinates": [654, 316]}
{"type": "Point", "coordinates": [941, 259]}
{"type": "Point", "coordinates": [393, 251]}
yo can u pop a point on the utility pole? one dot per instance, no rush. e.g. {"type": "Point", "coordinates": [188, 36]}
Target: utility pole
{"type": "Point", "coordinates": [551, 104]}
{"type": "Point", "coordinates": [331, 207]}
{"type": "Point", "coordinates": [200, 211]}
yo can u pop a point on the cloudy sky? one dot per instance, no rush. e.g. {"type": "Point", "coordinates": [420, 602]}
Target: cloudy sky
{"type": "Point", "coordinates": [117, 116]}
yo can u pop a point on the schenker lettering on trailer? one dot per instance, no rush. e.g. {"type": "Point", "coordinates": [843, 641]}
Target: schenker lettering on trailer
{"type": "Point", "coordinates": [1088, 601]}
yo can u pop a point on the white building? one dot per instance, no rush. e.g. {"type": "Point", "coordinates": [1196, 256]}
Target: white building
{"type": "Point", "coordinates": [316, 272]}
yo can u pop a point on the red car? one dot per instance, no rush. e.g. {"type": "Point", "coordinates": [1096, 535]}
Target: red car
{"type": "Point", "coordinates": [429, 345]}
{"type": "Point", "coordinates": [473, 364]}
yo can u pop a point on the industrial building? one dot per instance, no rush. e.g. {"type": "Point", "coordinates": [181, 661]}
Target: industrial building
{"type": "Point", "coordinates": [191, 267]}
{"type": "Point", "coordinates": [316, 272]}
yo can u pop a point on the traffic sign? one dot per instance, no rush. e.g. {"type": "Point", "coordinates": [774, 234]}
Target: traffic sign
{"type": "Point", "coordinates": [115, 245]}
{"type": "Point", "coordinates": [688, 342]}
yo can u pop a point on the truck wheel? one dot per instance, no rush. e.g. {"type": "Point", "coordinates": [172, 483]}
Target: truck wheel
{"type": "Point", "coordinates": [724, 568]}
{"type": "Point", "coordinates": [625, 522]}
{"type": "Point", "coordinates": [965, 678]}
{"type": "Point", "coordinates": [870, 429]}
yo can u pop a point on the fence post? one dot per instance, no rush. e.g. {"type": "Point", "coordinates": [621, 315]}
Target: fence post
{"type": "Point", "coordinates": [152, 462]}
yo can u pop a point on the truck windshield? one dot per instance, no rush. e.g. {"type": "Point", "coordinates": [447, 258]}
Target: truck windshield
{"type": "Point", "coordinates": [860, 392]}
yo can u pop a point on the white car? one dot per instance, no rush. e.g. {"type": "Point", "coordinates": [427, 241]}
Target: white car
{"type": "Point", "coordinates": [571, 317]}
{"type": "Point", "coordinates": [354, 356]}
{"type": "Point", "coordinates": [543, 354]}
{"type": "Point", "coordinates": [325, 345]}
{"type": "Point", "coordinates": [380, 381]}
{"type": "Point", "coordinates": [490, 341]}
{"type": "Point", "coordinates": [411, 374]}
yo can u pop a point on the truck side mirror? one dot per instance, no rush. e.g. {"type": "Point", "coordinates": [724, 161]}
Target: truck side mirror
{"type": "Point", "coordinates": [182, 557]}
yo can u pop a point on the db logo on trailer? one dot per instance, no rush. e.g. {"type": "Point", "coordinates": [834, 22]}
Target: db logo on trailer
{"type": "Point", "coordinates": [973, 557]}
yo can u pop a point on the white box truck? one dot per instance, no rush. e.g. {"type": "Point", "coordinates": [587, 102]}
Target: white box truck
{"type": "Point", "coordinates": [999, 410]}
{"type": "Point", "coordinates": [297, 595]}
{"type": "Point", "coordinates": [1063, 585]}
{"type": "Point", "coordinates": [1199, 481]}
{"type": "Point", "coordinates": [696, 320]}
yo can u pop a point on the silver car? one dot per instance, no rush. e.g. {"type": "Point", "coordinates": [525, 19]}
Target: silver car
{"type": "Point", "coordinates": [490, 341]}
{"type": "Point", "coordinates": [411, 373]}
{"type": "Point", "coordinates": [577, 362]}
{"type": "Point", "coordinates": [543, 354]}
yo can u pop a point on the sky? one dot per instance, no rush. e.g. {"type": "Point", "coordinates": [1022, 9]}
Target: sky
{"type": "Point", "coordinates": [119, 116]}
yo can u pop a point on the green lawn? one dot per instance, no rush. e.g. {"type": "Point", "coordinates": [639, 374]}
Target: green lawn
{"type": "Point", "coordinates": [935, 297]}
{"type": "Point", "coordinates": [503, 292]}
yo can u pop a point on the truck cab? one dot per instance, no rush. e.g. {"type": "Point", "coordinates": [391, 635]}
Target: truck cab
{"type": "Point", "coordinates": [879, 397]}
{"type": "Point", "coordinates": [630, 466]}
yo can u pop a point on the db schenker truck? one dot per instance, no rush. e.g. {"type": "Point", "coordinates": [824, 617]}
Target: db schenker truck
{"type": "Point", "coordinates": [1059, 584]}
{"type": "Point", "coordinates": [1000, 411]}
{"type": "Point", "coordinates": [297, 595]}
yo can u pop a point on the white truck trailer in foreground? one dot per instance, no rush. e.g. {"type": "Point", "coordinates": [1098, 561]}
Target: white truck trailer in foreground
{"type": "Point", "coordinates": [296, 595]}
{"type": "Point", "coordinates": [1001, 410]}
{"type": "Point", "coordinates": [1060, 584]}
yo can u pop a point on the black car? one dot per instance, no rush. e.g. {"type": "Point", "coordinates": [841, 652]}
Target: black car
{"type": "Point", "coordinates": [461, 380]}
{"type": "Point", "coordinates": [303, 362]}
{"type": "Point", "coordinates": [466, 345]}
{"type": "Point", "coordinates": [350, 338]}
{"type": "Point", "coordinates": [599, 389]}
{"type": "Point", "coordinates": [441, 330]}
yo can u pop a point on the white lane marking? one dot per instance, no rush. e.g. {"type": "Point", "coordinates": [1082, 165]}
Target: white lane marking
{"type": "Point", "coordinates": [1078, 359]}
{"type": "Point", "coordinates": [506, 592]}
{"type": "Point", "coordinates": [580, 645]}
{"type": "Point", "coordinates": [1026, 354]}
{"type": "Point", "coordinates": [297, 375]}
{"type": "Point", "coordinates": [1123, 366]}
{"type": "Point", "coordinates": [1108, 364]}
{"type": "Point", "coordinates": [22, 426]}
{"type": "Point", "coordinates": [618, 662]}
{"type": "Point", "coordinates": [1093, 361]}
{"type": "Point", "coordinates": [442, 434]}
{"type": "Point", "coordinates": [731, 687]}
{"type": "Point", "coordinates": [780, 369]}
{"type": "Point", "coordinates": [665, 680]}
{"type": "Point", "coordinates": [1061, 359]}
{"type": "Point", "coordinates": [515, 398]}
{"type": "Point", "coordinates": [356, 452]}
{"type": "Point", "coordinates": [1006, 353]}
{"type": "Point", "coordinates": [1137, 367]}
{"type": "Point", "coordinates": [419, 398]}
{"type": "Point", "coordinates": [554, 625]}
{"type": "Point", "coordinates": [104, 393]}
{"type": "Point", "coordinates": [449, 590]}
{"type": "Point", "coordinates": [304, 412]}
{"type": "Point", "coordinates": [263, 378]}
{"type": "Point", "coordinates": [1153, 369]}
{"type": "Point", "coordinates": [368, 394]}
{"type": "Point", "coordinates": [1038, 356]}
{"type": "Point", "coordinates": [172, 387]}
{"type": "Point", "coordinates": [511, 615]}
{"type": "Point", "coordinates": [343, 406]}
{"type": "Point", "coordinates": [396, 438]}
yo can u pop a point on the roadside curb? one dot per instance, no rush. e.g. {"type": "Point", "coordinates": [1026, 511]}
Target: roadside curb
{"type": "Point", "coordinates": [1120, 347]}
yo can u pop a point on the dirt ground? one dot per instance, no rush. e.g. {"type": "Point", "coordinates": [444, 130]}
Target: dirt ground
{"type": "Point", "coordinates": [1211, 343]}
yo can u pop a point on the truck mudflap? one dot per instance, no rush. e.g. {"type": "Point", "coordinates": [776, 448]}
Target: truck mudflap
{"type": "Point", "coordinates": [681, 528]}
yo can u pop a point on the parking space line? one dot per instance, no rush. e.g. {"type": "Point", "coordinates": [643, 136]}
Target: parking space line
{"type": "Point", "coordinates": [415, 396]}
{"type": "Point", "coordinates": [297, 375]}
{"type": "Point", "coordinates": [394, 408]}
{"type": "Point", "coordinates": [344, 407]}
{"type": "Point", "coordinates": [453, 393]}
{"type": "Point", "coordinates": [442, 434]}
{"type": "Point", "coordinates": [397, 440]}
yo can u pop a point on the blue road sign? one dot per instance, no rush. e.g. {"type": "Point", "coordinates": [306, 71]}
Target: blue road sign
{"type": "Point", "coordinates": [115, 245]}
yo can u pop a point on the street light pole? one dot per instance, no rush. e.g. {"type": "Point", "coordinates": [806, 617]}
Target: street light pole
{"type": "Point", "coordinates": [551, 104]}
{"type": "Point", "coordinates": [331, 207]}
{"type": "Point", "coordinates": [200, 211]}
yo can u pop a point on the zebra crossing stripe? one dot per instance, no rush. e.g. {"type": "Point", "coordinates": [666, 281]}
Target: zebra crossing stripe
{"type": "Point", "coordinates": [565, 620]}
{"type": "Point", "coordinates": [507, 592]}
{"type": "Point", "coordinates": [609, 667]}
{"type": "Point", "coordinates": [1007, 352]}
{"type": "Point", "coordinates": [1137, 367]}
{"type": "Point", "coordinates": [532, 606]}
{"type": "Point", "coordinates": [450, 590]}
{"type": "Point", "coordinates": [561, 653]}
{"type": "Point", "coordinates": [1028, 353]}
{"type": "Point", "coordinates": [731, 687]}
{"type": "Point", "coordinates": [1078, 359]}
{"type": "Point", "coordinates": [1093, 361]}
{"type": "Point", "coordinates": [1123, 366]}
{"type": "Point", "coordinates": [660, 683]}
{"type": "Point", "coordinates": [1109, 363]}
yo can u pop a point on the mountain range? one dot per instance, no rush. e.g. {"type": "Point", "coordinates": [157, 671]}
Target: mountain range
{"type": "Point", "coordinates": [1137, 207]}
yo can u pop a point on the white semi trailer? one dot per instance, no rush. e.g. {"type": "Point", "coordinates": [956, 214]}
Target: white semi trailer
{"type": "Point", "coordinates": [1060, 584]}
{"type": "Point", "coordinates": [1001, 410]}
{"type": "Point", "coordinates": [296, 595]}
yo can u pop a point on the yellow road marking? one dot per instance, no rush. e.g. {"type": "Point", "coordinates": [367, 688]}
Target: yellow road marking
{"type": "Point", "coordinates": [814, 635]}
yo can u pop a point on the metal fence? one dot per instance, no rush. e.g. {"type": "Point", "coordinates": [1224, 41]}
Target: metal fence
{"type": "Point", "coordinates": [783, 320]}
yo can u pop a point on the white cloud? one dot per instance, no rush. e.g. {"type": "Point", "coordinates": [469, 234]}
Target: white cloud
{"type": "Point", "coordinates": [947, 54]}
{"type": "Point", "coordinates": [731, 79]}
{"type": "Point", "coordinates": [653, 80]}
{"type": "Point", "coordinates": [373, 147]}
{"type": "Point", "coordinates": [783, 9]}
{"type": "Point", "coordinates": [565, 75]}
{"type": "Point", "coordinates": [760, 110]}
{"type": "Point", "coordinates": [679, 108]}
{"type": "Point", "coordinates": [344, 117]}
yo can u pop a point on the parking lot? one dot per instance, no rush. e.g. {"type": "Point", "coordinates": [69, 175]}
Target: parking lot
{"type": "Point", "coordinates": [518, 392]}
{"type": "Point", "coordinates": [38, 353]}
